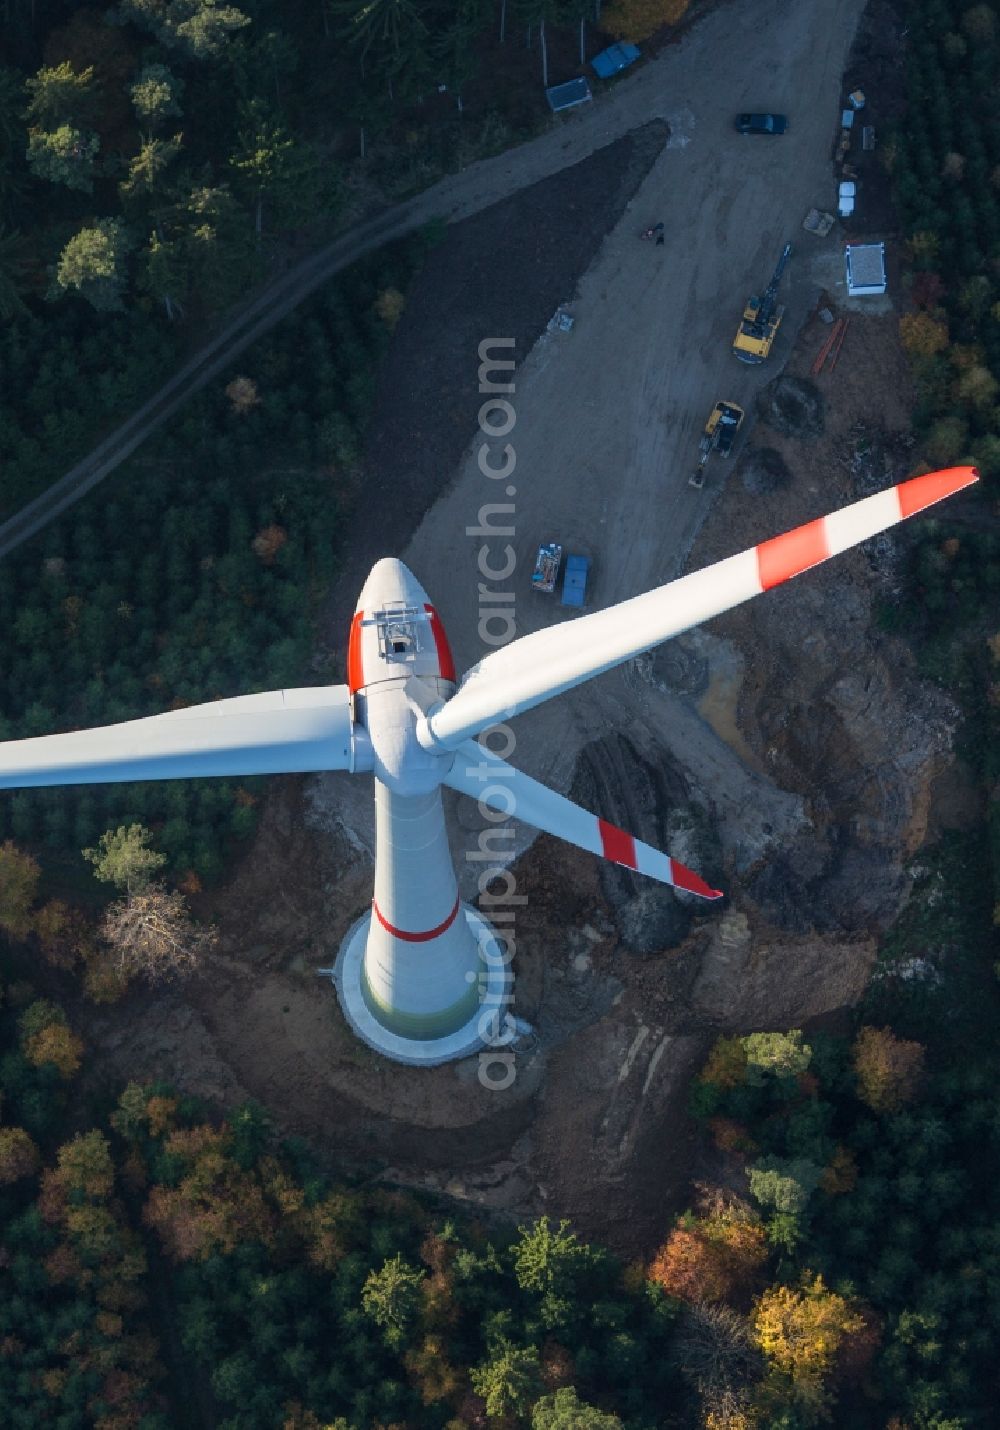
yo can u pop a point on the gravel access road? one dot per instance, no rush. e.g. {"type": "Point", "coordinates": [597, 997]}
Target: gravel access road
{"type": "Point", "coordinates": [608, 416]}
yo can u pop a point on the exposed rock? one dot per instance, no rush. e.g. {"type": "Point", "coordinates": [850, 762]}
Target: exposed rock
{"type": "Point", "coordinates": [653, 802]}
{"type": "Point", "coordinates": [751, 979]}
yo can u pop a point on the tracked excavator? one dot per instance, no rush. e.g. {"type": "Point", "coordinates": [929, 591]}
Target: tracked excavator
{"type": "Point", "coordinates": [761, 318]}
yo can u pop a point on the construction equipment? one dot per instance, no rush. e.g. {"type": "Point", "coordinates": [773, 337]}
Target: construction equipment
{"type": "Point", "coordinates": [547, 564]}
{"type": "Point", "coordinates": [761, 318]}
{"type": "Point", "coordinates": [718, 436]}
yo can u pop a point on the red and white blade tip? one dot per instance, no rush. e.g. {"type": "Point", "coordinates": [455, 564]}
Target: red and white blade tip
{"type": "Point", "coordinates": [797, 550]}
{"type": "Point", "coordinates": [620, 847]}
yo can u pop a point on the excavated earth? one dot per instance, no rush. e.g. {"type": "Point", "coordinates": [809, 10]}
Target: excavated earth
{"type": "Point", "coordinates": [624, 985]}
{"type": "Point", "coordinates": [836, 752]}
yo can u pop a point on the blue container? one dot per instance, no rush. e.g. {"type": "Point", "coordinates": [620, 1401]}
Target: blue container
{"type": "Point", "coordinates": [575, 580]}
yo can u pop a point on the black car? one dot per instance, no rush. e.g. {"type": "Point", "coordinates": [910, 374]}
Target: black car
{"type": "Point", "coordinates": [761, 123]}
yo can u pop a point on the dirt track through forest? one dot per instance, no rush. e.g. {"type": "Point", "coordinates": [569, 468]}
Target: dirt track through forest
{"type": "Point", "coordinates": [743, 55]}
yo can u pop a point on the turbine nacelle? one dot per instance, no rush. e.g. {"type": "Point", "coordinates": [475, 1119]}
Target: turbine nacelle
{"type": "Point", "coordinates": [399, 669]}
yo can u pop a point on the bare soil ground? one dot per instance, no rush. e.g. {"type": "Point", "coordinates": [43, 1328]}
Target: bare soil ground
{"type": "Point", "coordinates": [792, 733]}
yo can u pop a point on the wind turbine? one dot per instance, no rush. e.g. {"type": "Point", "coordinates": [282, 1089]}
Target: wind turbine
{"type": "Point", "coordinates": [422, 978]}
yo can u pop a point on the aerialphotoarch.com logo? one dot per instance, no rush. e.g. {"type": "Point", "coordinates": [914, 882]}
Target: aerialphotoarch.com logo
{"type": "Point", "coordinates": [496, 564]}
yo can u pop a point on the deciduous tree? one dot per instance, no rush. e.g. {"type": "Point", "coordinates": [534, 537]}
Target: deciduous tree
{"type": "Point", "coordinates": [19, 875]}
{"type": "Point", "coordinates": [888, 1069]}
{"type": "Point", "coordinates": [712, 1257]}
{"type": "Point", "coordinates": [922, 335]}
{"type": "Point", "coordinates": [727, 1064]}
{"type": "Point", "coordinates": [800, 1330]}
{"type": "Point", "coordinates": [46, 1037]}
{"type": "Point", "coordinates": [638, 19]}
{"type": "Point", "coordinates": [242, 393]}
{"type": "Point", "coordinates": [781, 1055]}
{"type": "Point", "coordinates": [152, 934]}
{"type": "Point", "coordinates": [19, 1157]}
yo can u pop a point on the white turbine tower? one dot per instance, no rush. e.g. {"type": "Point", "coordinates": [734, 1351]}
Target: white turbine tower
{"type": "Point", "coordinates": [421, 977]}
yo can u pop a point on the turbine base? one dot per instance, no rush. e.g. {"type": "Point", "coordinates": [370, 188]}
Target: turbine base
{"type": "Point", "coordinates": [495, 982]}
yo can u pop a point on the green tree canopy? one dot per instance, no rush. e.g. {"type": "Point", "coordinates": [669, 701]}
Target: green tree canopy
{"type": "Point", "coordinates": [93, 262]}
{"type": "Point", "coordinates": [390, 1295]}
{"type": "Point", "coordinates": [784, 1186]}
{"type": "Point", "coordinates": [123, 858]}
{"type": "Point", "coordinates": [60, 95]}
{"type": "Point", "coordinates": [564, 1410]}
{"type": "Point", "coordinates": [266, 162]}
{"type": "Point", "coordinates": [148, 168]}
{"type": "Point", "coordinates": [551, 1262]}
{"type": "Point", "coordinates": [775, 1054]}
{"type": "Point", "coordinates": [200, 28]}
{"type": "Point", "coordinates": [156, 93]}
{"type": "Point", "coordinates": [14, 264]}
{"type": "Point", "coordinates": [509, 1381]}
{"type": "Point", "coordinates": [64, 156]}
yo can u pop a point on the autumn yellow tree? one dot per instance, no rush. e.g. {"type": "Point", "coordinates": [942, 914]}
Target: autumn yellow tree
{"type": "Point", "coordinates": [61, 933]}
{"type": "Point", "coordinates": [888, 1069]}
{"type": "Point", "coordinates": [800, 1330]}
{"type": "Point", "coordinates": [242, 393]}
{"type": "Point", "coordinates": [19, 874]}
{"type": "Point", "coordinates": [727, 1064]}
{"type": "Point", "coordinates": [922, 335]}
{"type": "Point", "coordinates": [18, 1155]}
{"type": "Point", "coordinates": [638, 19]}
{"type": "Point", "coordinates": [46, 1037]}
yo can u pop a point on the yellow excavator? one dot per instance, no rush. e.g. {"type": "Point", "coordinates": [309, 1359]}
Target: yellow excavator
{"type": "Point", "coordinates": [719, 434]}
{"type": "Point", "coordinates": [761, 318]}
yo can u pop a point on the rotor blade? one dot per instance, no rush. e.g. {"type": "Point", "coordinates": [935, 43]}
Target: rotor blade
{"type": "Point", "coordinates": [484, 776]}
{"type": "Point", "coordinates": [276, 732]}
{"type": "Point", "coordinates": [537, 667]}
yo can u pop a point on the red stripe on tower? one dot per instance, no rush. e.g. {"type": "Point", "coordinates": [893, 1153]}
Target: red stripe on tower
{"type": "Point", "coordinates": [355, 663]}
{"type": "Point", "coordinates": [683, 878]}
{"type": "Point", "coordinates": [923, 491]}
{"type": "Point", "coordinates": [616, 845]}
{"type": "Point", "coordinates": [785, 556]}
{"type": "Point", "coordinates": [416, 937]}
{"type": "Point", "coordinates": [446, 666]}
